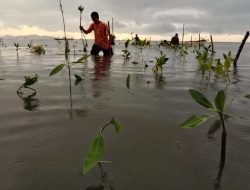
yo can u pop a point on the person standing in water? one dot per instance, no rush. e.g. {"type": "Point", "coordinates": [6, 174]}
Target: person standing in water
{"type": "Point", "coordinates": [175, 40]}
{"type": "Point", "coordinates": [101, 31]}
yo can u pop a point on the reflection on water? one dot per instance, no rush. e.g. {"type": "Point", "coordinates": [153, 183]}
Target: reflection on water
{"type": "Point", "coordinates": [213, 129]}
{"type": "Point", "coordinates": [159, 81]}
{"type": "Point", "coordinates": [151, 114]}
{"type": "Point", "coordinates": [219, 176]}
{"type": "Point", "coordinates": [29, 102]}
{"type": "Point", "coordinates": [101, 66]}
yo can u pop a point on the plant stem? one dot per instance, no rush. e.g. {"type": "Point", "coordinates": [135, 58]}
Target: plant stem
{"type": "Point", "coordinates": [63, 20]}
{"type": "Point", "coordinates": [102, 129]}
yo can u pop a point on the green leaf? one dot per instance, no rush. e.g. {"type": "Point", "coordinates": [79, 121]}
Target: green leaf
{"type": "Point", "coordinates": [30, 80]}
{"type": "Point", "coordinates": [220, 100]}
{"type": "Point", "coordinates": [247, 96]}
{"type": "Point", "coordinates": [128, 81]}
{"type": "Point", "coordinates": [117, 126]}
{"type": "Point", "coordinates": [194, 121]}
{"type": "Point", "coordinates": [200, 98]}
{"type": "Point", "coordinates": [78, 79]}
{"type": "Point", "coordinates": [94, 154]}
{"type": "Point", "coordinates": [82, 59]}
{"type": "Point", "coordinates": [233, 116]}
{"type": "Point", "coordinates": [56, 69]}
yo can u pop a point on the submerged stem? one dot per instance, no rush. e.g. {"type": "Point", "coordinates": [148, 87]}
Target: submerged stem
{"type": "Point", "coordinates": [223, 139]}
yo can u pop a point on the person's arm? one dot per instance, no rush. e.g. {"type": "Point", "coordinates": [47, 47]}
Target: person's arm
{"type": "Point", "coordinates": [90, 29]}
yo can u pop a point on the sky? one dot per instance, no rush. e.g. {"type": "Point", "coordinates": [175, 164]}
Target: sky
{"type": "Point", "coordinates": [225, 20]}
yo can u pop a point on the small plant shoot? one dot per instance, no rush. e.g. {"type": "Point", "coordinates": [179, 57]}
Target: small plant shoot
{"type": "Point", "coordinates": [96, 149]}
{"type": "Point", "coordinates": [160, 61]}
{"type": "Point", "coordinates": [17, 47]}
{"type": "Point", "coordinates": [218, 107]}
{"type": "Point", "coordinates": [38, 49]}
{"type": "Point", "coordinates": [81, 8]}
{"type": "Point", "coordinates": [126, 54]}
{"type": "Point", "coordinates": [29, 81]}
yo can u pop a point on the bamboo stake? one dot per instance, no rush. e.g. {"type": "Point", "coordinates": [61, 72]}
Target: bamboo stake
{"type": "Point", "coordinates": [240, 49]}
{"type": "Point", "coordinates": [182, 34]}
{"type": "Point", "coordinates": [212, 44]}
{"type": "Point", "coordinates": [199, 41]}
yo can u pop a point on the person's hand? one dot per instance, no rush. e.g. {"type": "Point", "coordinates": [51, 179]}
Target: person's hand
{"type": "Point", "coordinates": [81, 28]}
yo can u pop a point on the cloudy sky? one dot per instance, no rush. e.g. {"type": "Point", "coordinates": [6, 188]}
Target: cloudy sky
{"type": "Point", "coordinates": [226, 20]}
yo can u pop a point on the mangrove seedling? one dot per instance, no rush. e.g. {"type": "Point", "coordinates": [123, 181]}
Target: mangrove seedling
{"type": "Point", "coordinates": [29, 81]}
{"type": "Point", "coordinates": [205, 62]}
{"type": "Point", "coordinates": [141, 44]}
{"type": "Point", "coordinates": [81, 8]}
{"type": "Point", "coordinates": [38, 49]}
{"type": "Point", "coordinates": [182, 50]}
{"type": "Point", "coordinates": [30, 46]}
{"type": "Point", "coordinates": [68, 64]}
{"type": "Point", "coordinates": [17, 47]}
{"type": "Point", "coordinates": [126, 54]}
{"type": "Point", "coordinates": [224, 69]}
{"type": "Point", "coordinates": [218, 107]}
{"type": "Point", "coordinates": [160, 61]}
{"type": "Point", "coordinates": [247, 96]}
{"type": "Point", "coordinates": [96, 149]}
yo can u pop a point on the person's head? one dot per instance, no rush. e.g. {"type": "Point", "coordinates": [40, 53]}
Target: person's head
{"type": "Point", "coordinates": [176, 35]}
{"type": "Point", "coordinates": [95, 16]}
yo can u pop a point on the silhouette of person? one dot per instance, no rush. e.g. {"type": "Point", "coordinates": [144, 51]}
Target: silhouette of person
{"type": "Point", "coordinates": [175, 40]}
{"type": "Point", "coordinates": [136, 38]}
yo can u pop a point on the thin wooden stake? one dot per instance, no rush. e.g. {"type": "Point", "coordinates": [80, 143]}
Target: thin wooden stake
{"type": "Point", "coordinates": [199, 41]}
{"type": "Point", "coordinates": [212, 44]}
{"type": "Point", "coordinates": [240, 49]}
{"type": "Point", "coordinates": [182, 34]}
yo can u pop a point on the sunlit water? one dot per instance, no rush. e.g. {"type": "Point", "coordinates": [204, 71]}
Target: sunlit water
{"type": "Point", "coordinates": [44, 138]}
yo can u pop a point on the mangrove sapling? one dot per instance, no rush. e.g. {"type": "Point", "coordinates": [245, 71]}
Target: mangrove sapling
{"type": "Point", "coordinates": [81, 8]}
{"type": "Point", "coordinates": [30, 46]}
{"type": "Point", "coordinates": [141, 44]}
{"type": "Point", "coordinates": [205, 62]}
{"type": "Point", "coordinates": [16, 44]}
{"type": "Point", "coordinates": [182, 50]}
{"type": "Point", "coordinates": [224, 69]}
{"type": "Point", "coordinates": [160, 61]}
{"type": "Point", "coordinates": [68, 64]}
{"type": "Point", "coordinates": [29, 81]}
{"type": "Point", "coordinates": [218, 107]}
{"type": "Point", "coordinates": [38, 49]}
{"type": "Point", "coordinates": [96, 149]}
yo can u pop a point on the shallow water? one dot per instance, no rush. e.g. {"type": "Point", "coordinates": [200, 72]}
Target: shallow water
{"type": "Point", "coordinates": [43, 139]}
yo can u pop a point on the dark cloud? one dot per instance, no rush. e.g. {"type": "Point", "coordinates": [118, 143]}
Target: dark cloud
{"type": "Point", "coordinates": [142, 16]}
